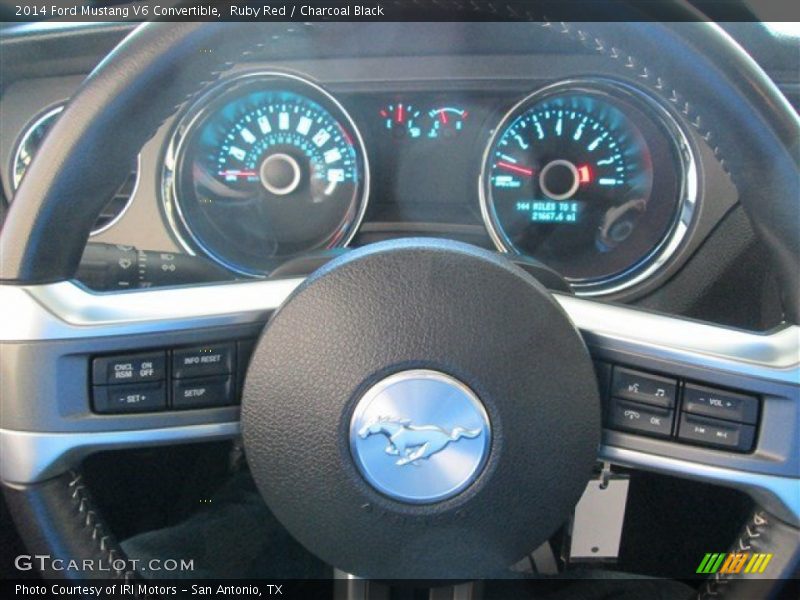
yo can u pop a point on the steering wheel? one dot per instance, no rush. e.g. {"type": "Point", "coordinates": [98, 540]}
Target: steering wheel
{"type": "Point", "coordinates": [388, 326]}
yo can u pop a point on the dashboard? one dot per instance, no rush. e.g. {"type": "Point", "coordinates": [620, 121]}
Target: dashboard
{"type": "Point", "coordinates": [589, 176]}
{"type": "Point", "coordinates": [553, 156]}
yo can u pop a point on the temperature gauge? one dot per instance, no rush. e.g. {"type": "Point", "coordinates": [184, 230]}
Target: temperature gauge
{"type": "Point", "coordinates": [446, 122]}
{"type": "Point", "coordinates": [402, 120]}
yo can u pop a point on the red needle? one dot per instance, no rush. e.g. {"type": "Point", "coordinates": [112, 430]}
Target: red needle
{"type": "Point", "coordinates": [443, 117]}
{"type": "Point", "coordinates": [515, 168]}
{"type": "Point", "coordinates": [399, 113]}
{"type": "Point", "coordinates": [235, 173]}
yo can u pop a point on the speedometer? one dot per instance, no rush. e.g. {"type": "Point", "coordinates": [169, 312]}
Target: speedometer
{"type": "Point", "coordinates": [591, 179]}
{"type": "Point", "coordinates": [268, 167]}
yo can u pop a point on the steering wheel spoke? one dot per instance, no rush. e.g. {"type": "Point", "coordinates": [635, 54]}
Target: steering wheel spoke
{"type": "Point", "coordinates": [725, 402]}
{"type": "Point", "coordinates": [49, 423]}
{"type": "Point", "coordinates": [57, 410]}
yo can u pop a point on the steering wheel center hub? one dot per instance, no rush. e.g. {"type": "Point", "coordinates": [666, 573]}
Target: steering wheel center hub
{"type": "Point", "coordinates": [427, 389]}
{"type": "Point", "coordinates": [420, 436]}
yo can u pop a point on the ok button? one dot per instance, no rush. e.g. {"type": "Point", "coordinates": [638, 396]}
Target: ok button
{"type": "Point", "coordinates": [640, 418]}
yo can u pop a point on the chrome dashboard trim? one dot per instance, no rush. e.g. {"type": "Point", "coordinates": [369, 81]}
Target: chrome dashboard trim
{"type": "Point", "coordinates": [15, 179]}
{"type": "Point", "coordinates": [772, 356]}
{"type": "Point", "coordinates": [66, 310]}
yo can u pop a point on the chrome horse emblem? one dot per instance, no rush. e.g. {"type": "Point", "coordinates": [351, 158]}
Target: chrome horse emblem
{"type": "Point", "coordinates": [423, 418]}
{"type": "Point", "coordinates": [412, 443]}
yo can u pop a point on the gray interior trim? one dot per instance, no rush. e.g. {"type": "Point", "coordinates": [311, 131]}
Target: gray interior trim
{"type": "Point", "coordinates": [31, 456]}
{"type": "Point", "coordinates": [66, 310]}
{"type": "Point", "coordinates": [773, 356]}
{"type": "Point", "coordinates": [780, 495]}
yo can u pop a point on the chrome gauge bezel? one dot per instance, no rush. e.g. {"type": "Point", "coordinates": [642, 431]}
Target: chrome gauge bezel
{"type": "Point", "coordinates": [29, 130]}
{"type": "Point", "coordinates": [688, 184]}
{"type": "Point", "coordinates": [194, 115]}
{"type": "Point", "coordinates": [15, 180]}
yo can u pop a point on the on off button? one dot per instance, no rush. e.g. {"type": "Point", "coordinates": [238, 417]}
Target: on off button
{"type": "Point", "coordinates": [129, 368]}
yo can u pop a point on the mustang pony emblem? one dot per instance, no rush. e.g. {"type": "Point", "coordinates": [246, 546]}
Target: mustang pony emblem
{"type": "Point", "coordinates": [412, 443]}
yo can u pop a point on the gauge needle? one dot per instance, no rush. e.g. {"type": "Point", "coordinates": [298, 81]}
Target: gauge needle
{"type": "Point", "coordinates": [237, 173]}
{"type": "Point", "coordinates": [443, 117]}
{"type": "Point", "coordinates": [516, 168]}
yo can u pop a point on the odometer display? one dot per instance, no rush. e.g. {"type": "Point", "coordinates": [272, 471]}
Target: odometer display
{"type": "Point", "coordinates": [270, 167]}
{"type": "Point", "coordinates": [588, 181]}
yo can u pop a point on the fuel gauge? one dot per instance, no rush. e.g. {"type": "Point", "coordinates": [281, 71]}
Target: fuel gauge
{"type": "Point", "coordinates": [402, 120]}
{"type": "Point", "coordinates": [446, 122]}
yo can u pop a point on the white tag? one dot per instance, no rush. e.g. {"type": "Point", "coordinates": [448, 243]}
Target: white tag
{"type": "Point", "coordinates": [597, 524]}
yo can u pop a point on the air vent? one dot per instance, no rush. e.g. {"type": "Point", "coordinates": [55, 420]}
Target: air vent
{"type": "Point", "coordinates": [30, 142]}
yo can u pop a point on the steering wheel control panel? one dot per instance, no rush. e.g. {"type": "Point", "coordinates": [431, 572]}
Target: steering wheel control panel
{"type": "Point", "coordinates": [667, 407]}
{"type": "Point", "coordinates": [179, 378]}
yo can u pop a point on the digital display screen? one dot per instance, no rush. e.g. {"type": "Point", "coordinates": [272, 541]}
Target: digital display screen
{"type": "Point", "coordinates": [550, 211]}
{"type": "Point", "coordinates": [420, 146]}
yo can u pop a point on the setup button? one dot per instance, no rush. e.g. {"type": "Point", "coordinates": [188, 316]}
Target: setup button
{"type": "Point", "coordinates": [203, 392]}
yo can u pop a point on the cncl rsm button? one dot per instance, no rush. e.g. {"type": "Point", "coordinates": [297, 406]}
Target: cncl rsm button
{"type": "Point", "coordinates": [128, 368]}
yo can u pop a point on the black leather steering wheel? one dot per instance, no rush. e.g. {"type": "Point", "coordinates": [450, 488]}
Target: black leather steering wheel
{"type": "Point", "coordinates": [154, 71]}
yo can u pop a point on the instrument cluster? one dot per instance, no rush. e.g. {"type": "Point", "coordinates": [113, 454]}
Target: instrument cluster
{"type": "Point", "coordinates": [592, 177]}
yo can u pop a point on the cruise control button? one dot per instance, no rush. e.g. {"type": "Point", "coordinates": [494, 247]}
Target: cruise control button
{"type": "Point", "coordinates": [213, 359]}
{"type": "Point", "coordinates": [720, 434]}
{"type": "Point", "coordinates": [720, 404]}
{"type": "Point", "coordinates": [643, 387]}
{"type": "Point", "coordinates": [135, 398]}
{"type": "Point", "coordinates": [640, 418]}
{"type": "Point", "coordinates": [128, 368]}
{"type": "Point", "coordinates": [197, 393]}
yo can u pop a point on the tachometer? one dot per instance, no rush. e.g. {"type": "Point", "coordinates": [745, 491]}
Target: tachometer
{"type": "Point", "coordinates": [270, 166]}
{"type": "Point", "coordinates": [592, 180]}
